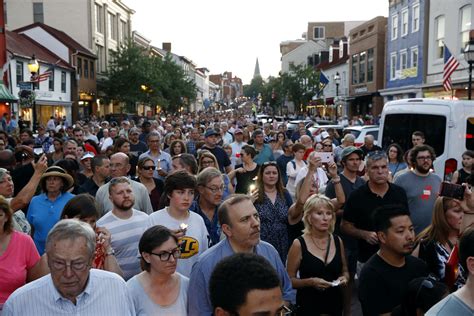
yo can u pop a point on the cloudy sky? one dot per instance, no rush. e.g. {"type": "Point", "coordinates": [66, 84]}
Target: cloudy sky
{"type": "Point", "coordinates": [227, 35]}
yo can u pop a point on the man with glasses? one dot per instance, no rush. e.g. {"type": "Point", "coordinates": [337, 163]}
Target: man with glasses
{"type": "Point", "coordinates": [72, 287]}
{"type": "Point", "coordinates": [421, 186]}
{"type": "Point", "coordinates": [210, 187]}
{"type": "Point", "coordinates": [240, 222]}
{"type": "Point", "coordinates": [188, 226]}
{"type": "Point", "coordinates": [362, 203]}
{"type": "Point", "coordinates": [161, 158]}
{"type": "Point", "coordinates": [246, 284]}
{"type": "Point", "coordinates": [126, 225]}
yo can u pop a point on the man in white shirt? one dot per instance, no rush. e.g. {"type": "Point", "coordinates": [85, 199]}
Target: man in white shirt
{"type": "Point", "coordinates": [72, 287]}
{"type": "Point", "coordinates": [237, 145]}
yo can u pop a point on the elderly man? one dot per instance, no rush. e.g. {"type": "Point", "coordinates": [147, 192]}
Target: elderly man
{"type": "Point", "coordinates": [161, 158]}
{"type": "Point", "coordinates": [240, 223]}
{"type": "Point", "coordinates": [369, 145]}
{"type": "Point", "coordinates": [119, 167]}
{"type": "Point", "coordinates": [72, 288]}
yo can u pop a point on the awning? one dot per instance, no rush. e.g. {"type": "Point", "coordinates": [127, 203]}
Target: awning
{"type": "Point", "coordinates": [53, 103]}
{"type": "Point", "coordinates": [5, 95]}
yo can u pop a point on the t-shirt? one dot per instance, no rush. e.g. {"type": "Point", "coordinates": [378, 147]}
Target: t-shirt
{"type": "Point", "coordinates": [193, 244]}
{"type": "Point", "coordinates": [138, 148]}
{"type": "Point", "coordinates": [126, 234]}
{"type": "Point", "coordinates": [221, 156]}
{"type": "Point", "coordinates": [144, 306]}
{"type": "Point", "coordinates": [359, 209]}
{"type": "Point", "coordinates": [450, 305]}
{"type": "Point", "coordinates": [381, 285]}
{"type": "Point", "coordinates": [421, 193]}
{"type": "Point", "coordinates": [20, 256]}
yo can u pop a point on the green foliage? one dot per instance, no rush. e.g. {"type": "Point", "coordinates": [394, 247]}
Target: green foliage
{"type": "Point", "coordinates": [254, 88]}
{"type": "Point", "coordinates": [135, 76]}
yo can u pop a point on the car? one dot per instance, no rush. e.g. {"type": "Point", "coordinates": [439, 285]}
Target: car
{"type": "Point", "coordinates": [360, 132]}
{"type": "Point", "coordinates": [315, 129]}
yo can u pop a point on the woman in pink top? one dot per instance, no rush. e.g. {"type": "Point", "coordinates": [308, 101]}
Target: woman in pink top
{"type": "Point", "coordinates": [19, 259]}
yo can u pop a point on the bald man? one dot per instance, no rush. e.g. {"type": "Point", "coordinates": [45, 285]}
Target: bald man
{"type": "Point", "coordinates": [369, 145]}
{"type": "Point", "coordinates": [119, 167]}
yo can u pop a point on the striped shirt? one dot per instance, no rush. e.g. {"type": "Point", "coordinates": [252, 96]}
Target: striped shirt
{"type": "Point", "coordinates": [126, 234]}
{"type": "Point", "coordinates": [105, 294]}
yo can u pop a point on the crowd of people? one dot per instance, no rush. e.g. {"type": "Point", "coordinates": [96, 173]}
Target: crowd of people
{"type": "Point", "coordinates": [217, 214]}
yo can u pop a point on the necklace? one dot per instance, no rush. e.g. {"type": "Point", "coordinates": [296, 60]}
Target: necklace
{"type": "Point", "coordinates": [316, 244]}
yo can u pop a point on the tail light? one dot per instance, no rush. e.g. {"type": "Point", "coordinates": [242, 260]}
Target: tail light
{"type": "Point", "coordinates": [450, 166]}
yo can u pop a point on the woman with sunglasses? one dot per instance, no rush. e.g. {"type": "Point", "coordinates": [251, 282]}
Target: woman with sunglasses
{"type": "Point", "coordinates": [146, 167]}
{"type": "Point", "coordinates": [437, 241]}
{"type": "Point", "coordinates": [245, 173]}
{"type": "Point", "coordinates": [272, 202]}
{"type": "Point", "coordinates": [159, 289]}
{"type": "Point", "coordinates": [207, 159]}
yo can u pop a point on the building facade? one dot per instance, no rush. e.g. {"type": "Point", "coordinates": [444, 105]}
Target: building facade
{"type": "Point", "coordinates": [367, 67]}
{"type": "Point", "coordinates": [406, 52]}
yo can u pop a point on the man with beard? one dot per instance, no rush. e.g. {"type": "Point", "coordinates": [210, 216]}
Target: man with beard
{"type": "Point", "coordinates": [240, 222]}
{"type": "Point", "coordinates": [126, 225]}
{"type": "Point", "coordinates": [421, 186]}
{"type": "Point", "coordinates": [385, 277]}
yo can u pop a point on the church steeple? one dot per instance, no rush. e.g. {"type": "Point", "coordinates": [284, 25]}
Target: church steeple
{"type": "Point", "coordinates": [256, 73]}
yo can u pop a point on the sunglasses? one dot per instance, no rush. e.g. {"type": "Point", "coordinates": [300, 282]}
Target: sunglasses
{"type": "Point", "coordinates": [148, 167]}
{"type": "Point", "coordinates": [270, 163]}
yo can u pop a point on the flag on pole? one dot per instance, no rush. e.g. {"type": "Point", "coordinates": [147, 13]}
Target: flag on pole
{"type": "Point", "coordinates": [45, 75]}
{"type": "Point", "coordinates": [450, 65]}
{"type": "Point", "coordinates": [323, 81]}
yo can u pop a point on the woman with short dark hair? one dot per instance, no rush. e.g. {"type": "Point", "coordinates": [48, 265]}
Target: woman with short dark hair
{"type": "Point", "coordinates": [159, 289]}
{"type": "Point", "coordinates": [246, 173]}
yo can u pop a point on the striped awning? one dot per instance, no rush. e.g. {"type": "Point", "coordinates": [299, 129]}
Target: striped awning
{"type": "Point", "coordinates": [5, 95]}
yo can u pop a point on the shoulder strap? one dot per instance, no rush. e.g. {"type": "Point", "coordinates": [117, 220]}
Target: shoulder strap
{"type": "Point", "coordinates": [303, 244]}
{"type": "Point", "coordinates": [294, 164]}
{"type": "Point", "coordinates": [327, 249]}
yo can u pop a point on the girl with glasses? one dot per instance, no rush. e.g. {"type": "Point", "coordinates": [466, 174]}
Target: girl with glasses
{"type": "Point", "coordinates": [159, 289]}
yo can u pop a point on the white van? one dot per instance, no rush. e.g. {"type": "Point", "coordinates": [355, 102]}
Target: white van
{"type": "Point", "coordinates": [448, 127]}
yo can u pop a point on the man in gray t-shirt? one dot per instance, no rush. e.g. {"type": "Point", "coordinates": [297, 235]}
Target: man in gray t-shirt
{"type": "Point", "coordinates": [421, 186]}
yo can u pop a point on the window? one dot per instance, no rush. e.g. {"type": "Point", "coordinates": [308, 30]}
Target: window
{"type": "Point", "coordinates": [19, 72]}
{"type": "Point", "coordinates": [393, 66]}
{"type": "Point", "coordinates": [439, 36]}
{"type": "Point", "coordinates": [124, 28]}
{"type": "Point", "coordinates": [415, 17]}
{"type": "Point", "coordinates": [362, 67]}
{"type": "Point", "coordinates": [110, 56]}
{"type": "Point", "coordinates": [86, 68]}
{"type": "Point", "coordinates": [370, 65]}
{"type": "Point", "coordinates": [101, 58]}
{"type": "Point", "coordinates": [38, 12]}
{"type": "Point", "coordinates": [414, 57]}
{"type": "Point", "coordinates": [63, 81]}
{"type": "Point", "coordinates": [51, 80]}
{"type": "Point", "coordinates": [404, 22]}
{"type": "Point", "coordinates": [318, 32]}
{"type": "Point", "coordinates": [112, 26]}
{"type": "Point", "coordinates": [354, 68]}
{"type": "Point", "coordinates": [403, 59]}
{"type": "Point", "coordinates": [92, 69]}
{"type": "Point", "coordinates": [99, 20]}
{"type": "Point", "coordinates": [465, 18]}
{"type": "Point", "coordinates": [79, 67]}
{"type": "Point", "coordinates": [394, 27]}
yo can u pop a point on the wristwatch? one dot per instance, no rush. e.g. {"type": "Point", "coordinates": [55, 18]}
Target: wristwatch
{"type": "Point", "coordinates": [110, 252]}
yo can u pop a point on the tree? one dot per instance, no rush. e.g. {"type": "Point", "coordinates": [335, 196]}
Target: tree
{"type": "Point", "coordinates": [301, 84]}
{"type": "Point", "coordinates": [255, 87]}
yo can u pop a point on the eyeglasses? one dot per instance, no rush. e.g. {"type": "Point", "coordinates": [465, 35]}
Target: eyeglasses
{"type": "Point", "coordinates": [425, 158]}
{"type": "Point", "coordinates": [214, 190]}
{"type": "Point", "coordinates": [428, 283]}
{"type": "Point", "coordinates": [148, 168]}
{"type": "Point", "coordinates": [324, 145]}
{"type": "Point", "coordinates": [61, 266]}
{"type": "Point", "coordinates": [166, 255]}
{"type": "Point", "coordinates": [270, 163]}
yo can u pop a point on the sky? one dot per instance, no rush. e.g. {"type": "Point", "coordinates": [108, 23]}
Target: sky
{"type": "Point", "coordinates": [224, 35]}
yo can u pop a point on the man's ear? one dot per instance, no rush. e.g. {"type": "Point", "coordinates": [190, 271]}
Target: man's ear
{"type": "Point", "coordinates": [470, 265]}
{"type": "Point", "coordinates": [382, 237]}
{"type": "Point", "coordinates": [219, 311]}
{"type": "Point", "coordinates": [226, 230]}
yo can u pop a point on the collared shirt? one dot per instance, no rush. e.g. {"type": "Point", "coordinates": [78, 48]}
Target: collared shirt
{"type": "Point", "coordinates": [105, 294]}
{"type": "Point", "coordinates": [43, 214]}
{"type": "Point", "coordinates": [165, 162]}
{"type": "Point", "coordinates": [199, 302]}
{"type": "Point", "coordinates": [213, 227]}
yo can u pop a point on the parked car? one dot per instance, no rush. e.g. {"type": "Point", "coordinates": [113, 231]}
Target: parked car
{"type": "Point", "coordinates": [360, 132]}
{"type": "Point", "coordinates": [338, 128]}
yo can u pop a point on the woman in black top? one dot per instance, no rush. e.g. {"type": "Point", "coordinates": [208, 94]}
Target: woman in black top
{"type": "Point", "coordinates": [460, 176]}
{"type": "Point", "coordinates": [146, 166]}
{"type": "Point", "coordinates": [246, 173]}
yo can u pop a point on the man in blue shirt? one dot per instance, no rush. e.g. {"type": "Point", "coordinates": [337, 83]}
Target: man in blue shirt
{"type": "Point", "coordinates": [240, 223]}
{"type": "Point", "coordinates": [265, 152]}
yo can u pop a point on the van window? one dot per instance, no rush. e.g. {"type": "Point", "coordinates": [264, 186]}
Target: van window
{"type": "Point", "coordinates": [399, 127]}
{"type": "Point", "coordinates": [470, 133]}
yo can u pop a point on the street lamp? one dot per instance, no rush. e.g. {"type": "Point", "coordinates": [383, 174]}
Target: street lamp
{"type": "Point", "coordinates": [33, 67]}
{"type": "Point", "coordinates": [469, 55]}
{"type": "Point", "coordinates": [337, 80]}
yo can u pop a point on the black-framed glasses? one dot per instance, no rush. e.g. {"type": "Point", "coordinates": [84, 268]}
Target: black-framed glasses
{"type": "Point", "coordinates": [427, 283]}
{"type": "Point", "coordinates": [148, 168]}
{"type": "Point", "coordinates": [166, 255]}
{"type": "Point", "coordinates": [214, 190]}
{"type": "Point", "coordinates": [424, 158]}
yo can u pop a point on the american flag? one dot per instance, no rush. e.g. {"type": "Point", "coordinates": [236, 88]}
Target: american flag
{"type": "Point", "coordinates": [45, 75]}
{"type": "Point", "coordinates": [450, 65]}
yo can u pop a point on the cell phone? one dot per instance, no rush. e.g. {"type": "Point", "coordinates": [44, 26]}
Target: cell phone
{"type": "Point", "coordinates": [451, 190]}
{"type": "Point", "coordinates": [38, 150]}
{"type": "Point", "coordinates": [326, 157]}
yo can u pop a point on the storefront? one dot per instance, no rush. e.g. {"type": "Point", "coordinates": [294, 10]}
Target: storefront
{"type": "Point", "coordinates": [6, 100]}
{"type": "Point", "coordinates": [46, 109]}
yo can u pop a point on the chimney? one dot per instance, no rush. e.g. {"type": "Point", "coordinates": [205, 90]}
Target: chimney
{"type": "Point", "coordinates": [167, 47]}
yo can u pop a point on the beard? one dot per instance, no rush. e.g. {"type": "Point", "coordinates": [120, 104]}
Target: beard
{"type": "Point", "coordinates": [421, 169]}
{"type": "Point", "coordinates": [125, 205]}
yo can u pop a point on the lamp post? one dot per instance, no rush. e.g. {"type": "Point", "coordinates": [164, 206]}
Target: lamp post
{"type": "Point", "coordinates": [33, 67]}
{"type": "Point", "coordinates": [337, 80]}
{"type": "Point", "coordinates": [469, 55]}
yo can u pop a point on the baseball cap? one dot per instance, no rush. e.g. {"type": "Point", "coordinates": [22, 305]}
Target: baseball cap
{"type": "Point", "coordinates": [210, 132]}
{"type": "Point", "coordinates": [87, 154]}
{"type": "Point", "coordinates": [351, 150]}
{"type": "Point", "coordinates": [238, 131]}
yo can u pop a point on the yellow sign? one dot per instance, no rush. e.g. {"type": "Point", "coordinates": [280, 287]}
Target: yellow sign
{"type": "Point", "coordinates": [189, 247]}
{"type": "Point", "coordinates": [409, 72]}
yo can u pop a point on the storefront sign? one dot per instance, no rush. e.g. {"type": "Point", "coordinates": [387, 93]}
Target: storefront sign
{"type": "Point", "coordinates": [360, 89]}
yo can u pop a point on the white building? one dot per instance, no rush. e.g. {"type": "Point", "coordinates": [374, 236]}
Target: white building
{"type": "Point", "coordinates": [449, 23]}
{"type": "Point", "coordinates": [303, 55]}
